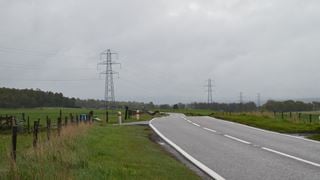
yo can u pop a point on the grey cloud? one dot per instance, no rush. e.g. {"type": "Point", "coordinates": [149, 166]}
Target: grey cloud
{"type": "Point", "coordinates": [167, 48]}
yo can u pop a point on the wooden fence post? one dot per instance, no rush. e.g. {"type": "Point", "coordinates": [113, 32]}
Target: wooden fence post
{"type": "Point", "coordinates": [35, 133]}
{"type": "Point", "coordinates": [66, 121]}
{"type": "Point", "coordinates": [310, 118]}
{"type": "Point", "coordinates": [14, 142]}
{"type": "Point", "coordinates": [28, 124]}
{"type": "Point", "coordinates": [77, 119]}
{"type": "Point", "coordinates": [71, 118]}
{"type": "Point", "coordinates": [48, 128]}
{"type": "Point", "coordinates": [59, 126]}
{"type": "Point", "coordinates": [23, 117]}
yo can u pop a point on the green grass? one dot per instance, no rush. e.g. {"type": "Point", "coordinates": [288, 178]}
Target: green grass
{"type": "Point", "coordinates": [98, 152]}
{"type": "Point", "coordinates": [266, 122]}
{"type": "Point", "coordinates": [288, 124]}
{"type": "Point", "coordinates": [315, 137]}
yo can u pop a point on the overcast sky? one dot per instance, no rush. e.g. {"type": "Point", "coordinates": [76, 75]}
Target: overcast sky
{"type": "Point", "coordinates": [168, 48]}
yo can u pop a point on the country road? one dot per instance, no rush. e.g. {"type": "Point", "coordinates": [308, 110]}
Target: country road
{"type": "Point", "coordinates": [239, 152]}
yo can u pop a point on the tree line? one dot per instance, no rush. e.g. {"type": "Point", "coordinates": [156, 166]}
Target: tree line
{"type": "Point", "coordinates": [271, 105]}
{"type": "Point", "coordinates": [29, 98]}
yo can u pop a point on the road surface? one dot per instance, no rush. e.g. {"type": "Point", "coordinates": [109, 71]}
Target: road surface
{"type": "Point", "coordinates": [238, 152]}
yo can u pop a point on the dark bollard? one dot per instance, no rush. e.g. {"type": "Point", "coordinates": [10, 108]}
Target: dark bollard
{"type": "Point", "coordinates": [107, 116]}
{"type": "Point", "coordinates": [126, 113]}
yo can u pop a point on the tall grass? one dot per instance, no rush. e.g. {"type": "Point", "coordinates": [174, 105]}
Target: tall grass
{"type": "Point", "coordinates": [50, 159]}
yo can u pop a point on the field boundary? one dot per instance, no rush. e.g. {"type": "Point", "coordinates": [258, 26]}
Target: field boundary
{"type": "Point", "coordinates": [197, 163]}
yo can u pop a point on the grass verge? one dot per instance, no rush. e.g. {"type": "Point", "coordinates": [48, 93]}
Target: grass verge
{"type": "Point", "coordinates": [97, 152]}
{"type": "Point", "coordinates": [265, 122]}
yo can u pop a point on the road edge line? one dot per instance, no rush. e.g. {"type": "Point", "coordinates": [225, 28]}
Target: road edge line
{"type": "Point", "coordinates": [200, 165]}
{"type": "Point", "coordinates": [291, 156]}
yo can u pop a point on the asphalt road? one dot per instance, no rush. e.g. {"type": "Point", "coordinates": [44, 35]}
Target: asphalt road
{"type": "Point", "coordinates": [239, 152]}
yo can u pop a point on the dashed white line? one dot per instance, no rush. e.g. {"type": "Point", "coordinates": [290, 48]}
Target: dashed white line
{"type": "Point", "coordinates": [209, 129]}
{"type": "Point", "coordinates": [292, 157]}
{"type": "Point", "coordinates": [196, 124]}
{"type": "Point", "coordinates": [199, 164]}
{"type": "Point", "coordinates": [237, 139]}
{"type": "Point", "coordinates": [189, 121]}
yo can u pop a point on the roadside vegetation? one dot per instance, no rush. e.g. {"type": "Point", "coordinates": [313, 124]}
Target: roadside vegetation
{"type": "Point", "coordinates": [97, 152]}
{"type": "Point", "coordinates": [303, 123]}
{"type": "Point", "coordinates": [88, 151]}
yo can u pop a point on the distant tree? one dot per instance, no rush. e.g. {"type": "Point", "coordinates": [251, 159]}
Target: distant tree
{"type": "Point", "coordinates": [164, 106]}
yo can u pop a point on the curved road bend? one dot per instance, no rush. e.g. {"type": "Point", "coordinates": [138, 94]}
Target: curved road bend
{"type": "Point", "coordinates": [239, 152]}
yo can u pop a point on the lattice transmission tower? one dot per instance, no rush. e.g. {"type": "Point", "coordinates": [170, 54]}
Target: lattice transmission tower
{"type": "Point", "coordinates": [209, 86]}
{"type": "Point", "coordinates": [106, 60]}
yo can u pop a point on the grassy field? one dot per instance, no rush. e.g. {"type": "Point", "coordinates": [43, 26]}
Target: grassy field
{"type": "Point", "coordinates": [97, 151]}
{"type": "Point", "coordinates": [53, 113]}
{"type": "Point", "coordinates": [305, 123]}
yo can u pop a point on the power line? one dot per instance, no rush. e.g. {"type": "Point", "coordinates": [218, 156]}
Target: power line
{"type": "Point", "coordinates": [52, 80]}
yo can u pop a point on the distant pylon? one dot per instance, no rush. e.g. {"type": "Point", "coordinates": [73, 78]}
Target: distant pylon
{"type": "Point", "coordinates": [209, 86]}
{"type": "Point", "coordinates": [258, 101]}
{"type": "Point", "coordinates": [106, 60]}
{"type": "Point", "coordinates": [241, 98]}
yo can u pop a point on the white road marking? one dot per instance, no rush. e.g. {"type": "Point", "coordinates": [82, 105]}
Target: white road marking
{"type": "Point", "coordinates": [237, 139]}
{"type": "Point", "coordinates": [196, 124]}
{"type": "Point", "coordinates": [209, 171]}
{"type": "Point", "coordinates": [210, 130]}
{"type": "Point", "coordinates": [292, 157]}
{"type": "Point", "coordinates": [189, 121]}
